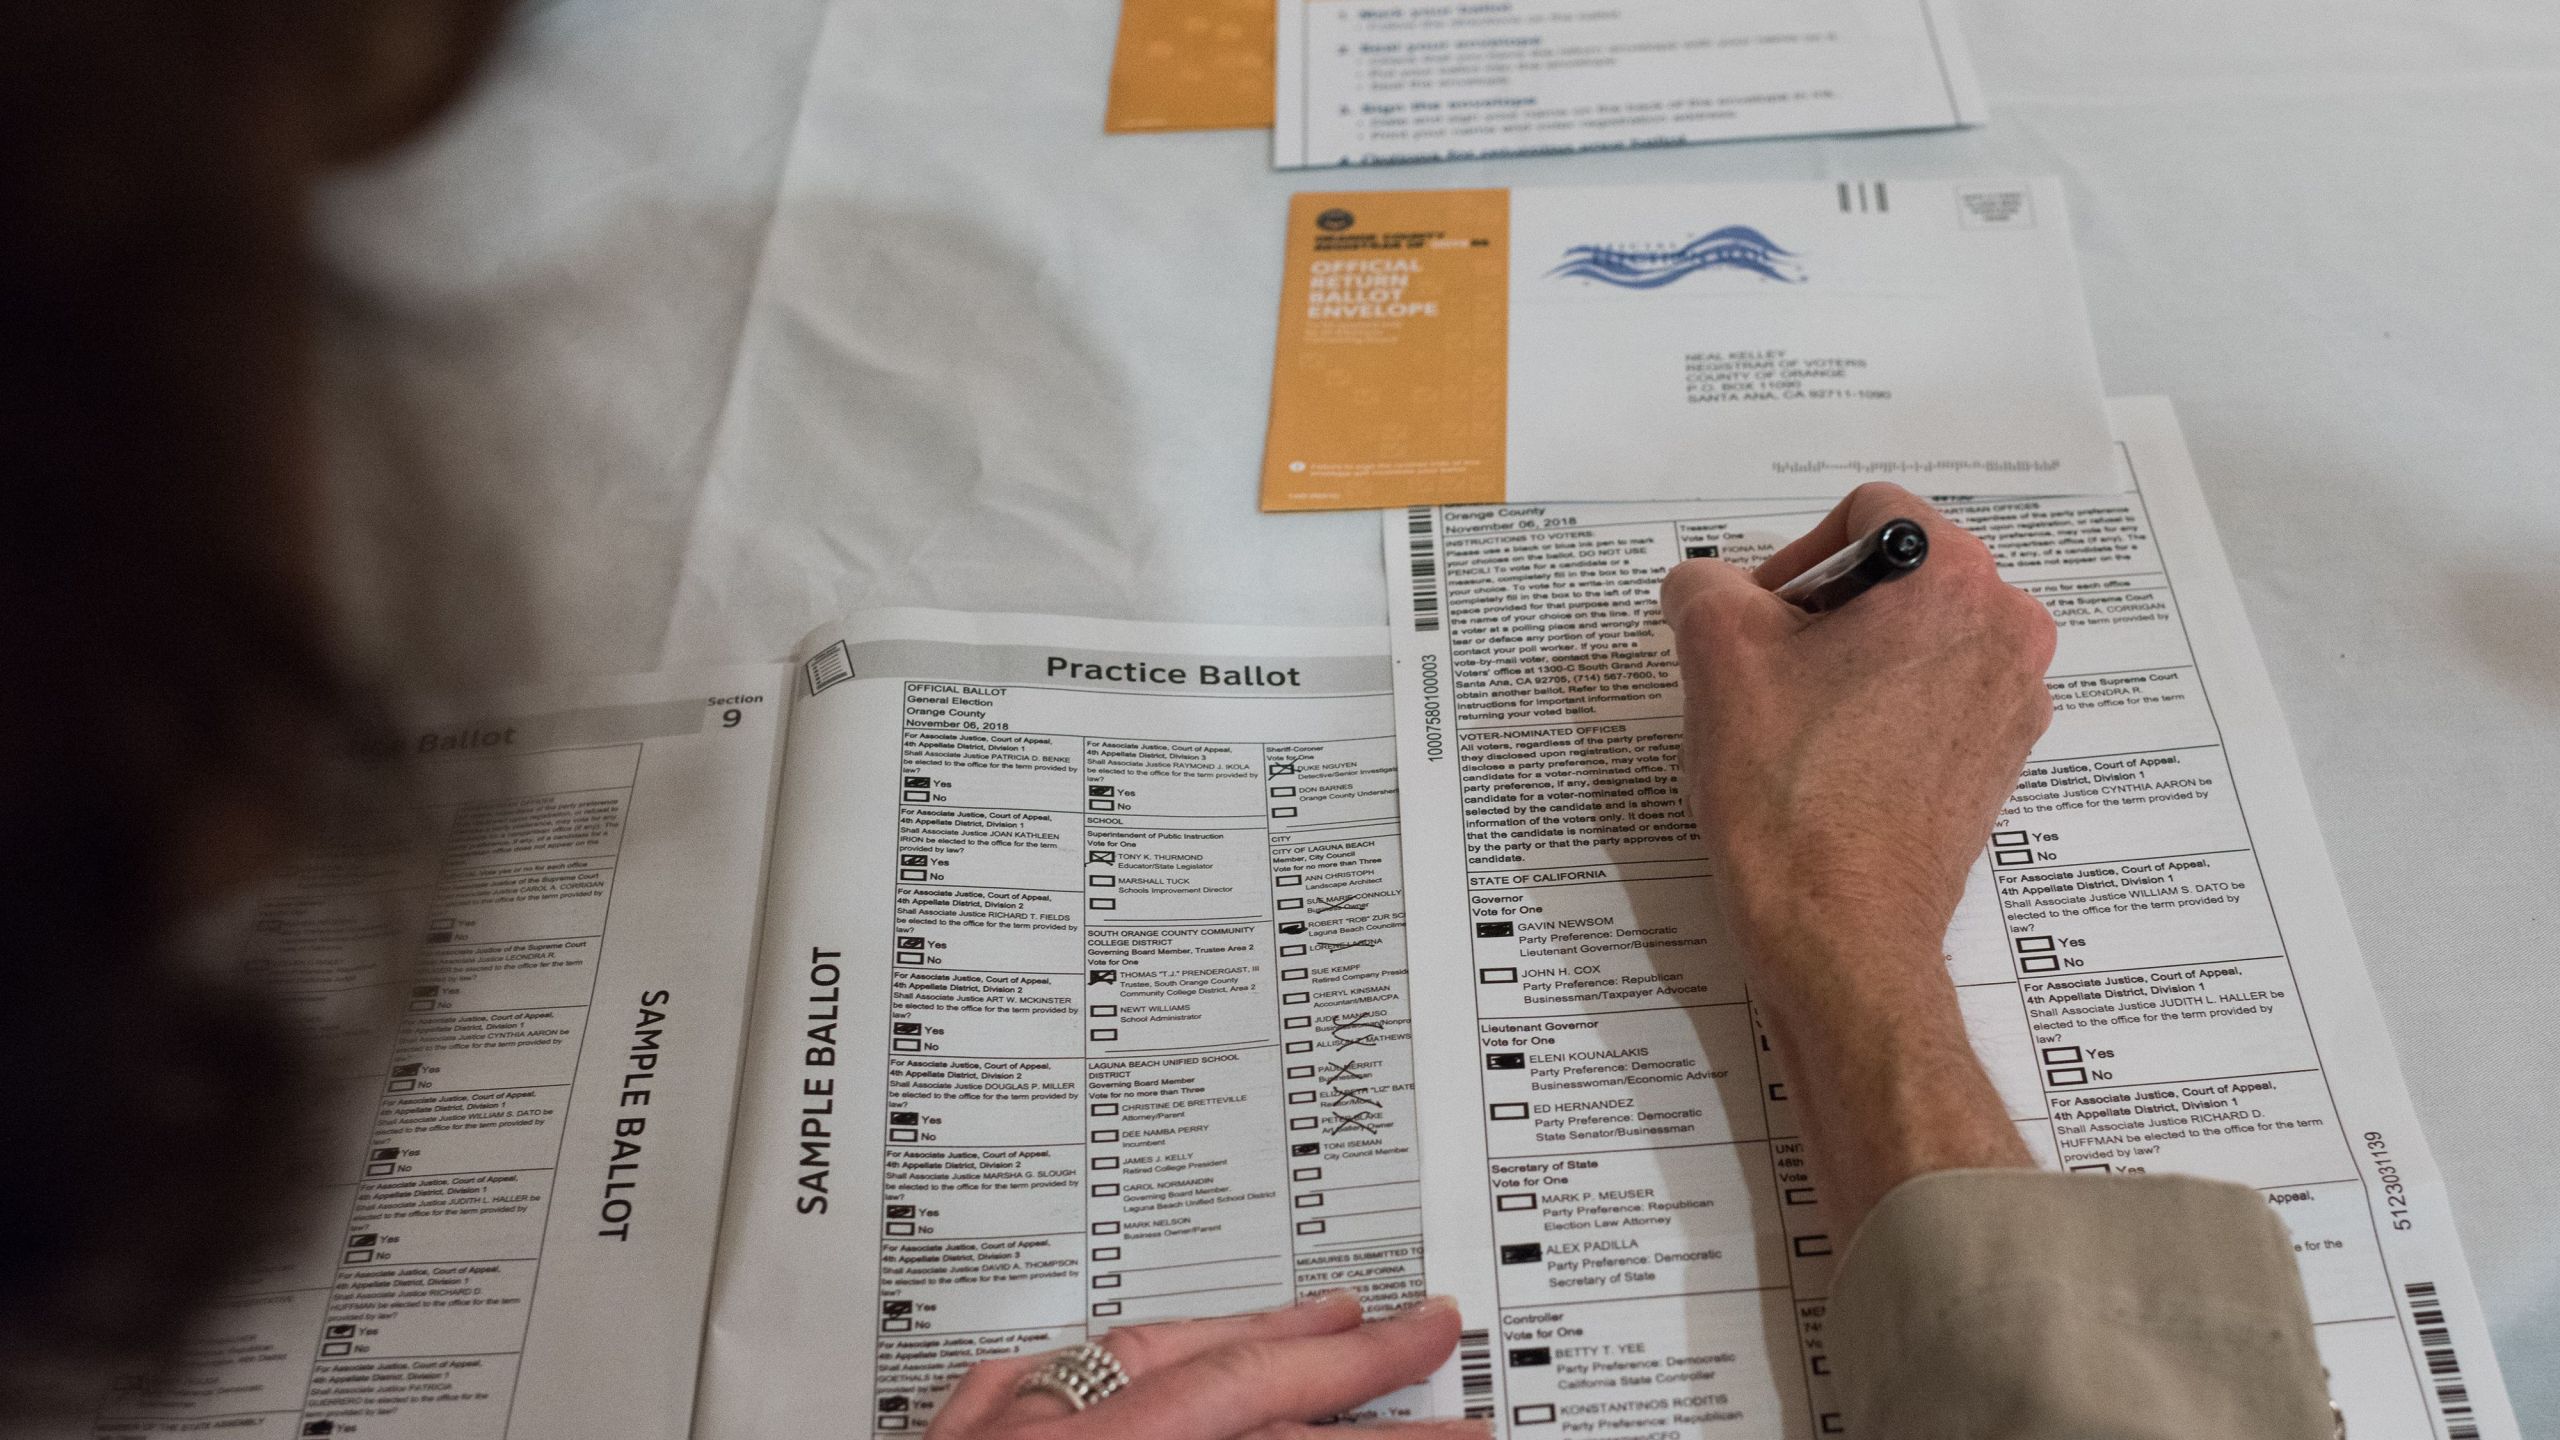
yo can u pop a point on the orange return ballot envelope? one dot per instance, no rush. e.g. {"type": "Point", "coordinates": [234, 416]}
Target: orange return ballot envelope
{"type": "Point", "coordinates": [1192, 65]}
{"type": "Point", "coordinates": [1676, 342]}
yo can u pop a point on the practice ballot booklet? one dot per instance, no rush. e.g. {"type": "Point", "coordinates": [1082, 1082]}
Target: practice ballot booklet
{"type": "Point", "coordinates": [1080, 1003]}
{"type": "Point", "coordinates": [2153, 959]}
{"type": "Point", "coordinates": [1362, 82]}
{"type": "Point", "coordinates": [1667, 342]}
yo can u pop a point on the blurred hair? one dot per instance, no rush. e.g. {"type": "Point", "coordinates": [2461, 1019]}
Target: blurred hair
{"type": "Point", "coordinates": [174, 699]}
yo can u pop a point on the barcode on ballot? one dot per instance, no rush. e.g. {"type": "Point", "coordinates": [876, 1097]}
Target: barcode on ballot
{"type": "Point", "coordinates": [2444, 1369]}
{"type": "Point", "coordinates": [1475, 1373]}
{"type": "Point", "coordinates": [1426, 569]}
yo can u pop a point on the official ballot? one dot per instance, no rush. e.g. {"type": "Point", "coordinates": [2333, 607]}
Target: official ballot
{"type": "Point", "coordinates": [1682, 342]}
{"type": "Point", "coordinates": [2152, 958]}
{"type": "Point", "coordinates": [1360, 82]}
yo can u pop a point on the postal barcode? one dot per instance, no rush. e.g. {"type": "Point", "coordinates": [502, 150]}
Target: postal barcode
{"type": "Point", "coordinates": [1475, 1373]}
{"type": "Point", "coordinates": [2444, 1369]}
{"type": "Point", "coordinates": [1426, 568]}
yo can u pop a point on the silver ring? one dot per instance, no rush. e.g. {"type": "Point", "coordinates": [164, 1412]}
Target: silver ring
{"type": "Point", "coordinates": [1081, 1376]}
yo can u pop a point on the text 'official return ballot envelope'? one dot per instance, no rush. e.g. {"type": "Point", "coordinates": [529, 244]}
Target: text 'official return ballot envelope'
{"type": "Point", "coordinates": [1681, 342]}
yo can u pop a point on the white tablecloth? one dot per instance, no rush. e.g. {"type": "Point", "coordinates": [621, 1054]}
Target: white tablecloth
{"type": "Point", "coordinates": [713, 319]}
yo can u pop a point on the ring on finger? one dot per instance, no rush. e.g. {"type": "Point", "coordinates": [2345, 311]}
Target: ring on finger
{"type": "Point", "coordinates": [1081, 1377]}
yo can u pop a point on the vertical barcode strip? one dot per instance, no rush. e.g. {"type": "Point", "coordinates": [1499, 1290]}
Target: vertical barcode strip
{"type": "Point", "coordinates": [1475, 1373]}
{"type": "Point", "coordinates": [2444, 1368]}
{"type": "Point", "coordinates": [1426, 568]}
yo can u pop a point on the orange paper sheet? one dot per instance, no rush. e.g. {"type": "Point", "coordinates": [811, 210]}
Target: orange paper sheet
{"type": "Point", "coordinates": [1192, 65]}
{"type": "Point", "coordinates": [1391, 380]}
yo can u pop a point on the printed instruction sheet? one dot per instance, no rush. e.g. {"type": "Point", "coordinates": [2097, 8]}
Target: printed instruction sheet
{"type": "Point", "coordinates": [529, 1027]}
{"type": "Point", "coordinates": [1361, 83]}
{"type": "Point", "coordinates": [2153, 959]}
{"type": "Point", "coordinates": [1682, 341]}
{"type": "Point", "coordinates": [1082, 1005]}
{"type": "Point", "coordinates": [1191, 65]}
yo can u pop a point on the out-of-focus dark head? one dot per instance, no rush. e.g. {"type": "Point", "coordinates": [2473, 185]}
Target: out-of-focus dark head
{"type": "Point", "coordinates": [162, 636]}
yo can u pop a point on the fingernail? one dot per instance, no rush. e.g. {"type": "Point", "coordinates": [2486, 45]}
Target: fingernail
{"type": "Point", "coordinates": [1429, 1305]}
{"type": "Point", "coordinates": [1325, 1297]}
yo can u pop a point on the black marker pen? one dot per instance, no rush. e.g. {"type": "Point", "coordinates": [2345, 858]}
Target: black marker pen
{"type": "Point", "coordinates": [1896, 548]}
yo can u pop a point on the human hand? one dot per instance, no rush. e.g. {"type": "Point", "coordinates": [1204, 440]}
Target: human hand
{"type": "Point", "coordinates": [1844, 770]}
{"type": "Point", "coordinates": [1265, 1376]}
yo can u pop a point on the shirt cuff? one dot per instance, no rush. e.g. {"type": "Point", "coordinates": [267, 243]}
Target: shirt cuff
{"type": "Point", "coordinates": [1990, 1304]}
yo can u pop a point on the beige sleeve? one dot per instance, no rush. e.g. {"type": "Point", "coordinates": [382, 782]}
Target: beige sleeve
{"type": "Point", "coordinates": [2009, 1304]}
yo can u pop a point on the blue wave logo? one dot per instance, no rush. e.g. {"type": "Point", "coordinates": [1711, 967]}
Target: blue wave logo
{"type": "Point", "coordinates": [1735, 247]}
